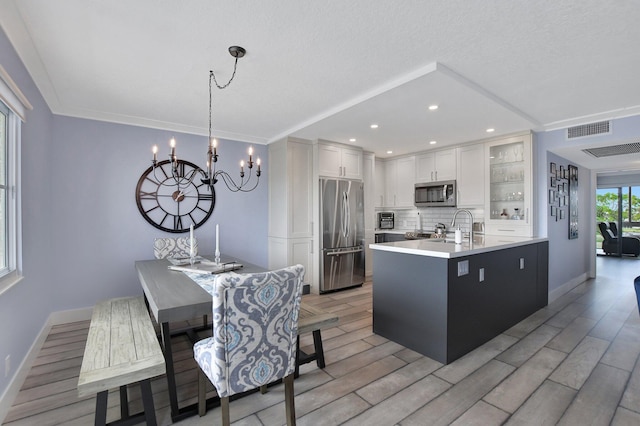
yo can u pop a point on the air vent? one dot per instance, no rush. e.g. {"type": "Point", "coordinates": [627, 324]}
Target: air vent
{"type": "Point", "coordinates": [599, 128]}
{"type": "Point", "coordinates": [609, 151]}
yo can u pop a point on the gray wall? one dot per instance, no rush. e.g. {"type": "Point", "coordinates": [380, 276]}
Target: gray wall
{"type": "Point", "coordinates": [25, 307]}
{"type": "Point", "coordinates": [81, 227]}
{"type": "Point", "coordinates": [568, 259]}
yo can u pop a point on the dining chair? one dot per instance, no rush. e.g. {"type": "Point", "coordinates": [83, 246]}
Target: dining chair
{"type": "Point", "coordinates": [173, 247]}
{"type": "Point", "coordinates": [178, 247]}
{"type": "Point", "coordinates": [255, 330]}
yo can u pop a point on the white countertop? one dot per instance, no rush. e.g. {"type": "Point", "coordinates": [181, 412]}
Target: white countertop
{"type": "Point", "coordinates": [447, 249]}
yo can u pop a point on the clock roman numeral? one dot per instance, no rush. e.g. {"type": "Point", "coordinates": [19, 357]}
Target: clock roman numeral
{"type": "Point", "coordinates": [177, 222]}
{"type": "Point", "coordinates": [205, 196]}
{"type": "Point", "coordinates": [166, 176]}
{"type": "Point", "coordinates": [152, 209]}
{"type": "Point", "coordinates": [148, 195]}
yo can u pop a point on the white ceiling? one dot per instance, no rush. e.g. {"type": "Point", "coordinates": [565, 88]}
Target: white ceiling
{"type": "Point", "coordinates": [328, 69]}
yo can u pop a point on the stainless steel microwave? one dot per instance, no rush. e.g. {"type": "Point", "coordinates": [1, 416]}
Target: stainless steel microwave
{"type": "Point", "coordinates": [435, 194]}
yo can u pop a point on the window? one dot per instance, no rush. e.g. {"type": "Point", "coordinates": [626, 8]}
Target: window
{"type": "Point", "coordinates": [9, 219]}
{"type": "Point", "coordinates": [610, 205]}
{"type": "Point", "coordinates": [13, 108]}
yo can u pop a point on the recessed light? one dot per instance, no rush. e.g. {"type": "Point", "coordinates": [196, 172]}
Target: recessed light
{"type": "Point", "coordinates": [352, 140]}
{"type": "Point", "coordinates": [433, 107]}
{"type": "Point", "coordinates": [374, 126]}
{"type": "Point", "coordinates": [389, 152]}
{"type": "Point", "coordinates": [432, 142]}
{"type": "Point", "coordinates": [489, 130]}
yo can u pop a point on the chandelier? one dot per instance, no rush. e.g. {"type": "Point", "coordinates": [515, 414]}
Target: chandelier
{"type": "Point", "coordinates": [211, 174]}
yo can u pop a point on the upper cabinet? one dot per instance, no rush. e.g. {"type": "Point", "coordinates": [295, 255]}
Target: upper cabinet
{"type": "Point", "coordinates": [470, 176]}
{"type": "Point", "coordinates": [400, 182]}
{"type": "Point", "coordinates": [368, 178]}
{"type": "Point", "coordinates": [379, 184]}
{"type": "Point", "coordinates": [436, 166]}
{"type": "Point", "coordinates": [509, 186]}
{"type": "Point", "coordinates": [341, 161]}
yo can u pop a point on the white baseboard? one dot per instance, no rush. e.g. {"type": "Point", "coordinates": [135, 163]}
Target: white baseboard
{"type": "Point", "coordinates": [73, 315]}
{"type": "Point", "coordinates": [567, 287]}
{"type": "Point", "coordinates": [55, 318]}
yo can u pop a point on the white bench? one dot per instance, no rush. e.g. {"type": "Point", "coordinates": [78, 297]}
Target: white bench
{"type": "Point", "coordinates": [122, 348]}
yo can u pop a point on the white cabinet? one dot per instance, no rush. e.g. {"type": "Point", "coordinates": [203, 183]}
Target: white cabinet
{"type": "Point", "coordinates": [436, 166]}
{"type": "Point", "coordinates": [379, 183]}
{"type": "Point", "coordinates": [509, 186]}
{"type": "Point", "coordinates": [339, 161]}
{"type": "Point", "coordinates": [290, 238]}
{"type": "Point", "coordinates": [470, 176]}
{"type": "Point", "coordinates": [400, 181]}
{"type": "Point", "coordinates": [368, 175]}
{"type": "Point", "coordinates": [369, 165]}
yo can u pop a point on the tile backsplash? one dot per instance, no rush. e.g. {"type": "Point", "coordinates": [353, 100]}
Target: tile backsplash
{"type": "Point", "coordinates": [426, 218]}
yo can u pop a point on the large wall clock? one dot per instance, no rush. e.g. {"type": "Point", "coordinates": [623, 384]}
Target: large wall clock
{"type": "Point", "coordinates": [173, 201]}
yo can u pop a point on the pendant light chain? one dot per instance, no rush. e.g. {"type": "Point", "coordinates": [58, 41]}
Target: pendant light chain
{"type": "Point", "coordinates": [211, 174]}
{"type": "Point", "coordinates": [212, 77]}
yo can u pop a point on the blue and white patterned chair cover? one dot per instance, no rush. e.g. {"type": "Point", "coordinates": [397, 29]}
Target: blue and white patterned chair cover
{"type": "Point", "coordinates": [255, 330]}
{"type": "Point", "coordinates": [173, 247]}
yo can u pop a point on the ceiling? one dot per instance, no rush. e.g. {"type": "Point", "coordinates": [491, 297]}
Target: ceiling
{"type": "Point", "coordinates": [329, 69]}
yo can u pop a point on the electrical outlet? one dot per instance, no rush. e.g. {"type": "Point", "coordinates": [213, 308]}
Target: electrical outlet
{"type": "Point", "coordinates": [481, 274]}
{"type": "Point", "coordinates": [522, 263]}
{"type": "Point", "coordinates": [7, 365]}
{"type": "Point", "coordinates": [463, 268]}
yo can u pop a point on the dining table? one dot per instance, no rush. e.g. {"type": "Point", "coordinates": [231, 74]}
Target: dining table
{"type": "Point", "coordinates": [174, 297]}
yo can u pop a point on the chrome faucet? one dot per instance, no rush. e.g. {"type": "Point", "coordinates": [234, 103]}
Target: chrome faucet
{"type": "Point", "coordinates": [453, 222]}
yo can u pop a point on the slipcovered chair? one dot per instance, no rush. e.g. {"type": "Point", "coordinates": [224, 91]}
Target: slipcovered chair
{"type": "Point", "coordinates": [173, 247]}
{"type": "Point", "coordinates": [630, 245]}
{"type": "Point", "coordinates": [255, 332]}
{"type": "Point", "coordinates": [178, 247]}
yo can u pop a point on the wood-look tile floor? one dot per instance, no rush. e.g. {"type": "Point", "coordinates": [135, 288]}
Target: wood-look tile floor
{"type": "Point", "coordinates": [574, 362]}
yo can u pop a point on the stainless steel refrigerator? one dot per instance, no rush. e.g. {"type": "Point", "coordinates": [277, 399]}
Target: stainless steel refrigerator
{"type": "Point", "coordinates": [342, 226]}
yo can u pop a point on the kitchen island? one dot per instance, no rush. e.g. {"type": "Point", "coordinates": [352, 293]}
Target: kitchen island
{"type": "Point", "coordinates": [443, 299]}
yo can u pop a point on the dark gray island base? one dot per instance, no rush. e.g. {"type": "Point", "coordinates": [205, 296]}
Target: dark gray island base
{"type": "Point", "coordinates": [420, 301]}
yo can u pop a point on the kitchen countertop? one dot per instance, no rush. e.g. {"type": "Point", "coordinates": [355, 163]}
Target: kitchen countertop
{"type": "Point", "coordinates": [447, 249]}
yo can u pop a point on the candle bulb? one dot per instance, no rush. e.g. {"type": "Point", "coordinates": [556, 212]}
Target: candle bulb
{"type": "Point", "coordinates": [250, 154]}
{"type": "Point", "coordinates": [214, 143]}
{"type": "Point", "coordinates": [172, 143]}
{"type": "Point", "coordinates": [242, 166]}
{"type": "Point", "coordinates": [191, 242]}
{"type": "Point", "coordinates": [155, 153]}
{"type": "Point", "coordinates": [258, 163]}
{"type": "Point", "coordinates": [217, 252]}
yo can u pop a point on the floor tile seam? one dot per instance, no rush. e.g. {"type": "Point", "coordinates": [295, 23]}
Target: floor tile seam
{"type": "Point", "coordinates": [336, 377]}
{"type": "Point", "coordinates": [328, 343]}
{"type": "Point", "coordinates": [626, 384]}
{"type": "Point", "coordinates": [409, 384]}
{"type": "Point", "coordinates": [340, 327]}
{"type": "Point", "coordinates": [578, 343]}
{"type": "Point", "coordinates": [575, 395]}
{"type": "Point", "coordinates": [481, 397]}
{"type": "Point", "coordinates": [345, 420]}
{"type": "Point", "coordinates": [618, 368]}
{"type": "Point", "coordinates": [495, 406]}
{"type": "Point", "coordinates": [399, 422]}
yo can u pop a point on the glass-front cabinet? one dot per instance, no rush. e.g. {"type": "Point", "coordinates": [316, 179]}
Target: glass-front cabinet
{"type": "Point", "coordinates": [509, 187]}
